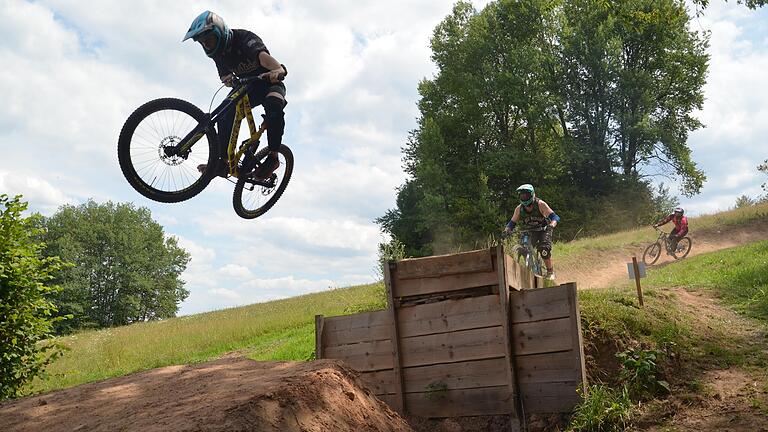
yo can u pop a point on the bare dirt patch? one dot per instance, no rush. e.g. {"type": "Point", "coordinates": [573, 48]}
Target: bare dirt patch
{"type": "Point", "coordinates": [232, 394]}
{"type": "Point", "coordinates": [733, 398]}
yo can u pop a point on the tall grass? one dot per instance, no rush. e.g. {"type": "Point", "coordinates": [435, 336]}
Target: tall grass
{"type": "Point", "coordinates": [277, 330]}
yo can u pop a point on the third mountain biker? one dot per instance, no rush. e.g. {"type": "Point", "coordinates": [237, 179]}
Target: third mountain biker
{"type": "Point", "coordinates": [534, 214]}
{"type": "Point", "coordinates": [681, 227]}
{"type": "Point", "coordinates": [241, 52]}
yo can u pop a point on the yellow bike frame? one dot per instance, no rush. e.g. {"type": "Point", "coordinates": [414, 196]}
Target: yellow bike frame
{"type": "Point", "coordinates": [242, 111]}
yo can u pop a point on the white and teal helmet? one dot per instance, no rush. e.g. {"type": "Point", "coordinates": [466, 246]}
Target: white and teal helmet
{"type": "Point", "coordinates": [526, 193]}
{"type": "Point", "coordinates": [208, 22]}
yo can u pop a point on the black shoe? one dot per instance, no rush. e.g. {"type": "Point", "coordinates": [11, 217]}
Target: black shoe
{"type": "Point", "coordinates": [220, 169]}
{"type": "Point", "coordinates": [270, 164]}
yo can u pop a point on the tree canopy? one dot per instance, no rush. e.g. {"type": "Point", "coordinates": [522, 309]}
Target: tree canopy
{"type": "Point", "coordinates": [585, 99]}
{"type": "Point", "coordinates": [126, 269]}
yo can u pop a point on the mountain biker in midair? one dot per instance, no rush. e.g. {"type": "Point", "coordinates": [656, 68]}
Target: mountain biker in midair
{"type": "Point", "coordinates": [240, 52]}
{"type": "Point", "coordinates": [534, 214]}
{"type": "Point", "coordinates": [681, 227]}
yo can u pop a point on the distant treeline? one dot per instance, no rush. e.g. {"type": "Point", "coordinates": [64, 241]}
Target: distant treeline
{"type": "Point", "coordinates": [584, 99]}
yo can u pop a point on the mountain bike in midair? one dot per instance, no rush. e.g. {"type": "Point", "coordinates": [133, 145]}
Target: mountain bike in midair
{"type": "Point", "coordinates": [653, 251]}
{"type": "Point", "coordinates": [164, 141]}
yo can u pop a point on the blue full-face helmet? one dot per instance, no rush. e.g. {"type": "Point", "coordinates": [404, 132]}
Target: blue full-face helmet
{"type": "Point", "coordinates": [210, 23]}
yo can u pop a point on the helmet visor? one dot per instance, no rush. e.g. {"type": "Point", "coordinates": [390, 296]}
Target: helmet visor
{"type": "Point", "coordinates": [525, 196]}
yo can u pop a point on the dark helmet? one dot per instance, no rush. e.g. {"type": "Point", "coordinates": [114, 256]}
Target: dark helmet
{"type": "Point", "coordinates": [526, 194]}
{"type": "Point", "coordinates": [210, 23]}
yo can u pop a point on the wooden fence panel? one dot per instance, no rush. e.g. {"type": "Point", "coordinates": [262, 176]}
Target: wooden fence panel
{"type": "Point", "coordinates": [460, 403]}
{"type": "Point", "coordinates": [449, 316]}
{"type": "Point", "coordinates": [455, 376]}
{"type": "Point", "coordinates": [435, 266]}
{"type": "Point", "coordinates": [557, 366]}
{"type": "Point", "coordinates": [362, 327]}
{"type": "Point", "coordinates": [541, 304]}
{"type": "Point", "coordinates": [444, 284]}
{"type": "Point", "coordinates": [380, 382]}
{"type": "Point", "coordinates": [476, 344]}
{"type": "Point", "coordinates": [365, 356]}
{"type": "Point", "coordinates": [542, 336]}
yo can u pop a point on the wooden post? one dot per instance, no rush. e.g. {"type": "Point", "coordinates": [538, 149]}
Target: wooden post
{"type": "Point", "coordinates": [501, 268]}
{"type": "Point", "coordinates": [319, 323]}
{"type": "Point", "coordinates": [578, 340]}
{"type": "Point", "coordinates": [637, 280]}
{"type": "Point", "coordinates": [395, 335]}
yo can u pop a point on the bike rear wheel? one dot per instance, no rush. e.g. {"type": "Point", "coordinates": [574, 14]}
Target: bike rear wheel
{"type": "Point", "coordinates": [252, 198]}
{"type": "Point", "coordinates": [652, 254]}
{"type": "Point", "coordinates": [683, 248]}
{"type": "Point", "coordinates": [147, 132]}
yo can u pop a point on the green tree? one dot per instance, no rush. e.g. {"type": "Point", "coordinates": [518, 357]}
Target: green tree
{"type": "Point", "coordinates": [744, 201]}
{"type": "Point", "coordinates": [764, 169]}
{"type": "Point", "coordinates": [26, 321]}
{"type": "Point", "coordinates": [126, 268]}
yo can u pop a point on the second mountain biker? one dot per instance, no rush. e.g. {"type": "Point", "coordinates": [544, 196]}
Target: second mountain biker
{"type": "Point", "coordinates": [534, 214]}
{"type": "Point", "coordinates": [241, 52]}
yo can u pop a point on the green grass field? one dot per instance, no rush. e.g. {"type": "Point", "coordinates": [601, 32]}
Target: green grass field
{"type": "Point", "coordinates": [284, 329]}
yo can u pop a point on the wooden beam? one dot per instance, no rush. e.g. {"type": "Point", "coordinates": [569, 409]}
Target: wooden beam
{"type": "Point", "coordinates": [465, 345]}
{"type": "Point", "coordinates": [362, 357]}
{"type": "Point", "coordinates": [444, 283]}
{"type": "Point", "coordinates": [509, 358]}
{"type": "Point", "coordinates": [578, 341]}
{"type": "Point", "coordinates": [543, 336]}
{"type": "Point", "coordinates": [449, 315]}
{"type": "Point", "coordinates": [399, 403]}
{"type": "Point", "coordinates": [541, 304]}
{"type": "Point", "coordinates": [318, 337]}
{"type": "Point", "coordinates": [362, 327]}
{"type": "Point", "coordinates": [454, 376]}
{"type": "Point", "coordinates": [442, 265]}
{"type": "Point", "coordinates": [460, 403]}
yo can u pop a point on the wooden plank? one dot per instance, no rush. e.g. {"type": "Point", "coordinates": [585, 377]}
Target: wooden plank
{"type": "Point", "coordinates": [360, 320]}
{"type": "Point", "coordinates": [380, 382]}
{"type": "Point", "coordinates": [550, 397]}
{"type": "Point", "coordinates": [446, 283]}
{"type": "Point", "coordinates": [548, 367]}
{"type": "Point", "coordinates": [475, 344]}
{"type": "Point", "coordinates": [541, 304]}
{"type": "Point", "coordinates": [388, 399]}
{"type": "Point", "coordinates": [460, 403]}
{"type": "Point", "coordinates": [467, 262]}
{"type": "Point", "coordinates": [318, 336]}
{"type": "Point", "coordinates": [362, 357]}
{"type": "Point", "coordinates": [511, 271]}
{"type": "Point", "coordinates": [397, 360]}
{"type": "Point", "coordinates": [453, 376]}
{"type": "Point", "coordinates": [509, 360]}
{"type": "Point", "coordinates": [542, 336]}
{"type": "Point", "coordinates": [449, 315]}
{"type": "Point", "coordinates": [578, 342]}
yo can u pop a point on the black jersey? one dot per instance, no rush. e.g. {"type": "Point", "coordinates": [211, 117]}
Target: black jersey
{"type": "Point", "coordinates": [242, 55]}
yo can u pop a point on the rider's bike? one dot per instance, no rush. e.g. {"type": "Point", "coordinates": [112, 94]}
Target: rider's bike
{"type": "Point", "coordinates": [164, 141]}
{"type": "Point", "coordinates": [653, 252]}
{"type": "Point", "coordinates": [526, 254]}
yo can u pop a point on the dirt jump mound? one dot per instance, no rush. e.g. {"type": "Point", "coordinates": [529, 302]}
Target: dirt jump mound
{"type": "Point", "coordinates": [234, 394]}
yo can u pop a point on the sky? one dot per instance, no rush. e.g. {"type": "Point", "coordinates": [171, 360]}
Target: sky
{"type": "Point", "coordinates": [73, 71]}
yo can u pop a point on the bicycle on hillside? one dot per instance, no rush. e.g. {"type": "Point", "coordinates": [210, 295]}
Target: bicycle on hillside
{"type": "Point", "coordinates": [162, 144]}
{"type": "Point", "coordinates": [526, 254]}
{"type": "Point", "coordinates": [653, 251]}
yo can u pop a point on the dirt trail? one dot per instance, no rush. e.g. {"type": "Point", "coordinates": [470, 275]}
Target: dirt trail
{"type": "Point", "coordinates": [232, 394]}
{"type": "Point", "coordinates": [729, 399]}
{"type": "Point", "coordinates": [609, 267]}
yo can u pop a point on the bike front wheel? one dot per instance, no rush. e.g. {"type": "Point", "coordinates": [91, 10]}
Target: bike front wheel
{"type": "Point", "coordinates": [252, 198]}
{"type": "Point", "coordinates": [652, 254]}
{"type": "Point", "coordinates": [683, 248]}
{"type": "Point", "coordinates": [148, 132]}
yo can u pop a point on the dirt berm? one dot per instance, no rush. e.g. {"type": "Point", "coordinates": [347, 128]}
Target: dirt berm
{"type": "Point", "coordinates": [232, 394]}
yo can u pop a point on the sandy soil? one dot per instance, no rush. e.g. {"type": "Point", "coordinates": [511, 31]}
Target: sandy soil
{"type": "Point", "coordinates": [231, 394]}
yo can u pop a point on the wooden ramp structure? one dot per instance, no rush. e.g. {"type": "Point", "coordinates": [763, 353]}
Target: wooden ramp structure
{"type": "Point", "coordinates": [468, 334]}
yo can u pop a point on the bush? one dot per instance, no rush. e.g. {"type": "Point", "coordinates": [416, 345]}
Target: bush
{"type": "Point", "coordinates": [25, 312]}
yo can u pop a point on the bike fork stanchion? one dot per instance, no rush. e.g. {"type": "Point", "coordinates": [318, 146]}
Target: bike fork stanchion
{"type": "Point", "coordinates": [637, 280]}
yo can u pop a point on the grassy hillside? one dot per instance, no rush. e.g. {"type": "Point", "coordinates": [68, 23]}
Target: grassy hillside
{"type": "Point", "coordinates": [284, 329]}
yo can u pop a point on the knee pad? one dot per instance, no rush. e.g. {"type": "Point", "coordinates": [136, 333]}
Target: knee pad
{"type": "Point", "coordinates": [545, 252]}
{"type": "Point", "coordinates": [273, 110]}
